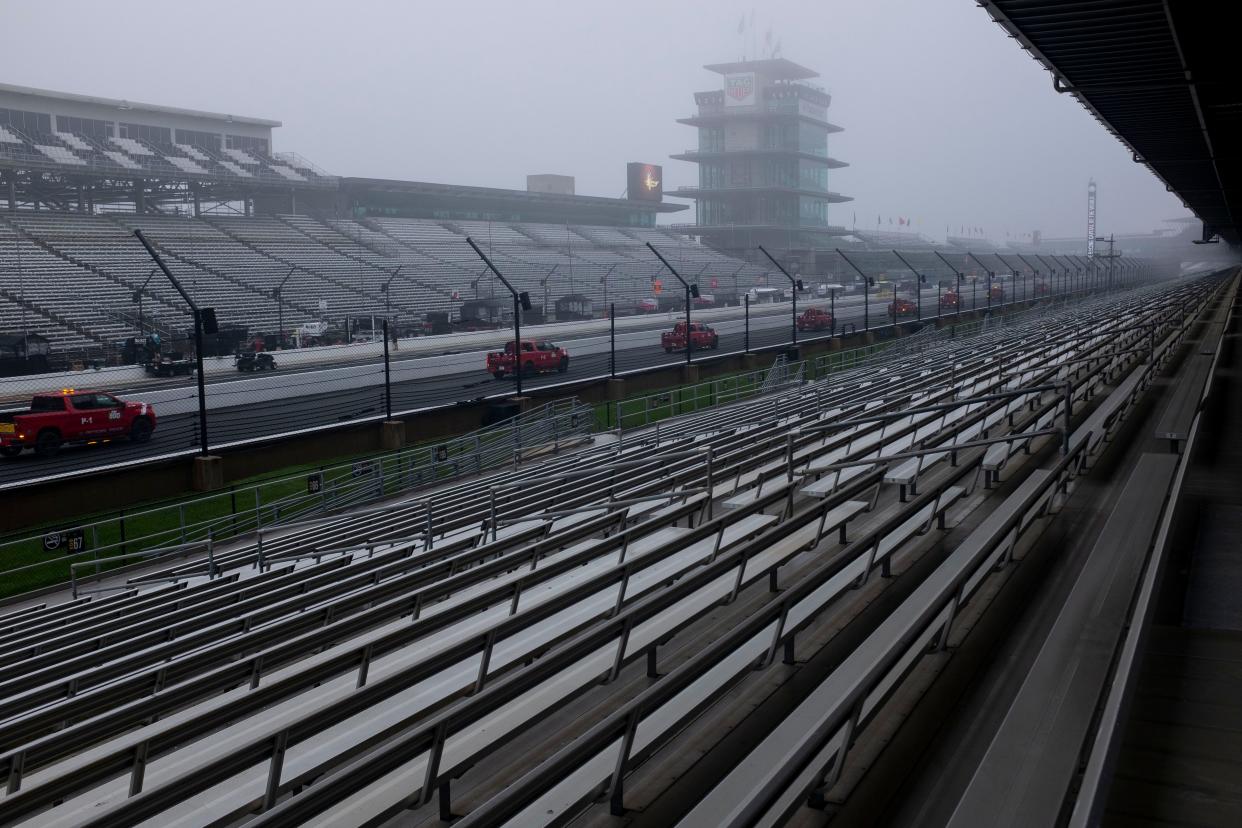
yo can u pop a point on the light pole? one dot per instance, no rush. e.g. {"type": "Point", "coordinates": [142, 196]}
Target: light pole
{"type": "Point", "coordinates": [521, 301]}
{"type": "Point", "coordinates": [866, 293]}
{"type": "Point", "coordinates": [21, 287]}
{"type": "Point", "coordinates": [544, 283]}
{"type": "Point", "coordinates": [1082, 271]}
{"type": "Point", "coordinates": [796, 284]}
{"type": "Point", "coordinates": [138, 298]}
{"type": "Point", "coordinates": [280, 305]}
{"type": "Point", "coordinates": [1013, 274]}
{"type": "Point", "coordinates": [604, 281]}
{"type": "Point", "coordinates": [958, 311]}
{"type": "Point", "coordinates": [691, 290]}
{"type": "Point", "coordinates": [919, 280]}
{"type": "Point", "coordinates": [200, 317]}
{"type": "Point", "coordinates": [1034, 274]}
{"type": "Point", "coordinates": [735, 274]}
{"type": "Point", "coordinates": [991, 276]}
{"type": "Point", "coordinates": [1052, 273]}
{"type": "Point", "coordinates": [387, 284]}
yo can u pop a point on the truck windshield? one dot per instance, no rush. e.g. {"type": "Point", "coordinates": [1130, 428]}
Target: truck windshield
{"type": "Point", "coordinates": [47, 404]}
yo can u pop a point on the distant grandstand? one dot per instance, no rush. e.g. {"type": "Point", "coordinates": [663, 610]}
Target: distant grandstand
{"type": "Point", "coordinates": [272, 242]}
{"type": "Point", "coordinates": [79, 274]}
{"type": "Point", "coordinates": [268, 238]}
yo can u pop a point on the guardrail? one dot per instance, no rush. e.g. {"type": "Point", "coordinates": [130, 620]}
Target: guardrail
{"type": "Point", "coordinates": [643, 411]}
{"type": "Point", "coordinates": [281, 500]}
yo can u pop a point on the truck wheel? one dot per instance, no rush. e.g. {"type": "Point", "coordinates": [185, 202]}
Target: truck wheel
{"type": "Point", "coordinates": [140, 431]}
{"type": "Point", "coordinates": [47, 443]}
{"type": "Point", "coordinates": [528, 369]}
{"type": "Point", "coordinates": [10, 451]}
{"type": "Point", "coordinates": [564, 366]}
{"type": "Point", "coordinates": [668, 350]}
{"type": "Point", "coordinates": [499, 375]}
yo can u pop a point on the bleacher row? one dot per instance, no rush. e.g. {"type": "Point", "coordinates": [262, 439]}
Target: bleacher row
{"type": "Point", "coordinates": [78, 273]}
{"type": "Point", "coordinates": [127, 155]}
{"type": "Point", "coordinates": [343, 670]}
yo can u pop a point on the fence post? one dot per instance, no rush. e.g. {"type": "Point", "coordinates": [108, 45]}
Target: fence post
{"type": "Point", "coordinates": [428, 543]}
{"type": "Point", "coordinates": [746, 302]}
{"type": "Point", "coordinates": [211, 555]}
{"type": "Point", "coordinates": [387, 377]}
{"type": "Point", "coordinates": [612, 339]}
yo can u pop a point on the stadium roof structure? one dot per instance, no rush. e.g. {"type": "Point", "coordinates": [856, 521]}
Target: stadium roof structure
{"type": "Point", "coordinates": [422, 199]}
{"type": "Point", "coordinates": [459, 191]}
{"type": "Point", "coordinates": [773, 67]}
{"type": "Point", "coordinates": [1160, 76]}
{"type": "Point", "coordinates": [135, 106]}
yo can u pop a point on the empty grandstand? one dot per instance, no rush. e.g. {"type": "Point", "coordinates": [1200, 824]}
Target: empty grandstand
{"type": "Point", "coordinates": [569, 637]}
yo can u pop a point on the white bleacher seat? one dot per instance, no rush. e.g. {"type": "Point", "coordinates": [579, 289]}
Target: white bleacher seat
{"type": "Point", "coordinates": [193, 151]}
{"type": "Point", "coordinates": [186, 164]}
{"type": "Point", "coordinates": [288, 173]}
{"type": "Point", "coordinates": [236, 169]}
{"type": "Point", "coordinates": [74, 141]}
{"type": "Point", "coordinates": [131, 146]}
{"type": "Point", "coordinates": [59, 154]}
{"type": "Point", "coordinates": [123, 159]}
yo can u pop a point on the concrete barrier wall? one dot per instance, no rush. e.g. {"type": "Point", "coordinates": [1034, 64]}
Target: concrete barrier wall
{"type": "Point", "coordinates": [161, 479]}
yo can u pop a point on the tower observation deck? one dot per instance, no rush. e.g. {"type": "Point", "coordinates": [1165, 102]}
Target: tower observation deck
{"type": "Point", "coordinates": [763, 159]}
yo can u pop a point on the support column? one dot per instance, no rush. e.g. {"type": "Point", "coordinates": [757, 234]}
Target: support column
{"type": "Point", "coordinates": [614, 389]}
{"type": "Point", "coordinates": [12, 190]}
{"type": "Point", "coordinates": [208, 473]}
{"type": "Point", "coordinates": [392, 435]}
{"type": "Point", "coordinates": [689, 374]}
{"type": "Point", "coordinates": [140, 202]}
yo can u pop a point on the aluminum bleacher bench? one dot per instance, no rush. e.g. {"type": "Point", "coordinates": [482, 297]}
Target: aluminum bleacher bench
{"type": "Point", "coordinates": [1178, 416]}
{"type": "Point", "coordinates": [1032, 760]}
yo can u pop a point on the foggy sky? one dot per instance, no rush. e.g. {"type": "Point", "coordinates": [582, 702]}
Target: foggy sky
{"type": "Point", "coordinates": [946, 119]}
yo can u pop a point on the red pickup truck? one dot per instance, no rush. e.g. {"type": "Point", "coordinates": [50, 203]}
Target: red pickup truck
{"type": "Point", "coordinates": [538, 356]}
{"type": "Point", "coordinates": [998, 293]}
{"type": "Point", "coordinates": [71, 416]}
{"type": "Point", "coordinates": [815, 319]}
{"type": "Point", "coordinates": [948, 300]}
{"type": "Point", "coordinates": [1042, 289]}
{"type": "Point", "coordinates": [901, 307]}
{"type": "Point", "coordinates": [701, 337]}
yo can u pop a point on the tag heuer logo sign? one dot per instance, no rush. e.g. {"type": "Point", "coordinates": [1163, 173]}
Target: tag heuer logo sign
{"type": "Point", "coordinates": [740, 89]}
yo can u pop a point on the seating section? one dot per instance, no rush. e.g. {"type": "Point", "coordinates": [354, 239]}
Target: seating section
{"type": "Point", "coordinates": [327, 269]}
{"type": "Point", "coordinates": [352, 667]}
{"type": "Point", "coordinates": [75, 150]}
